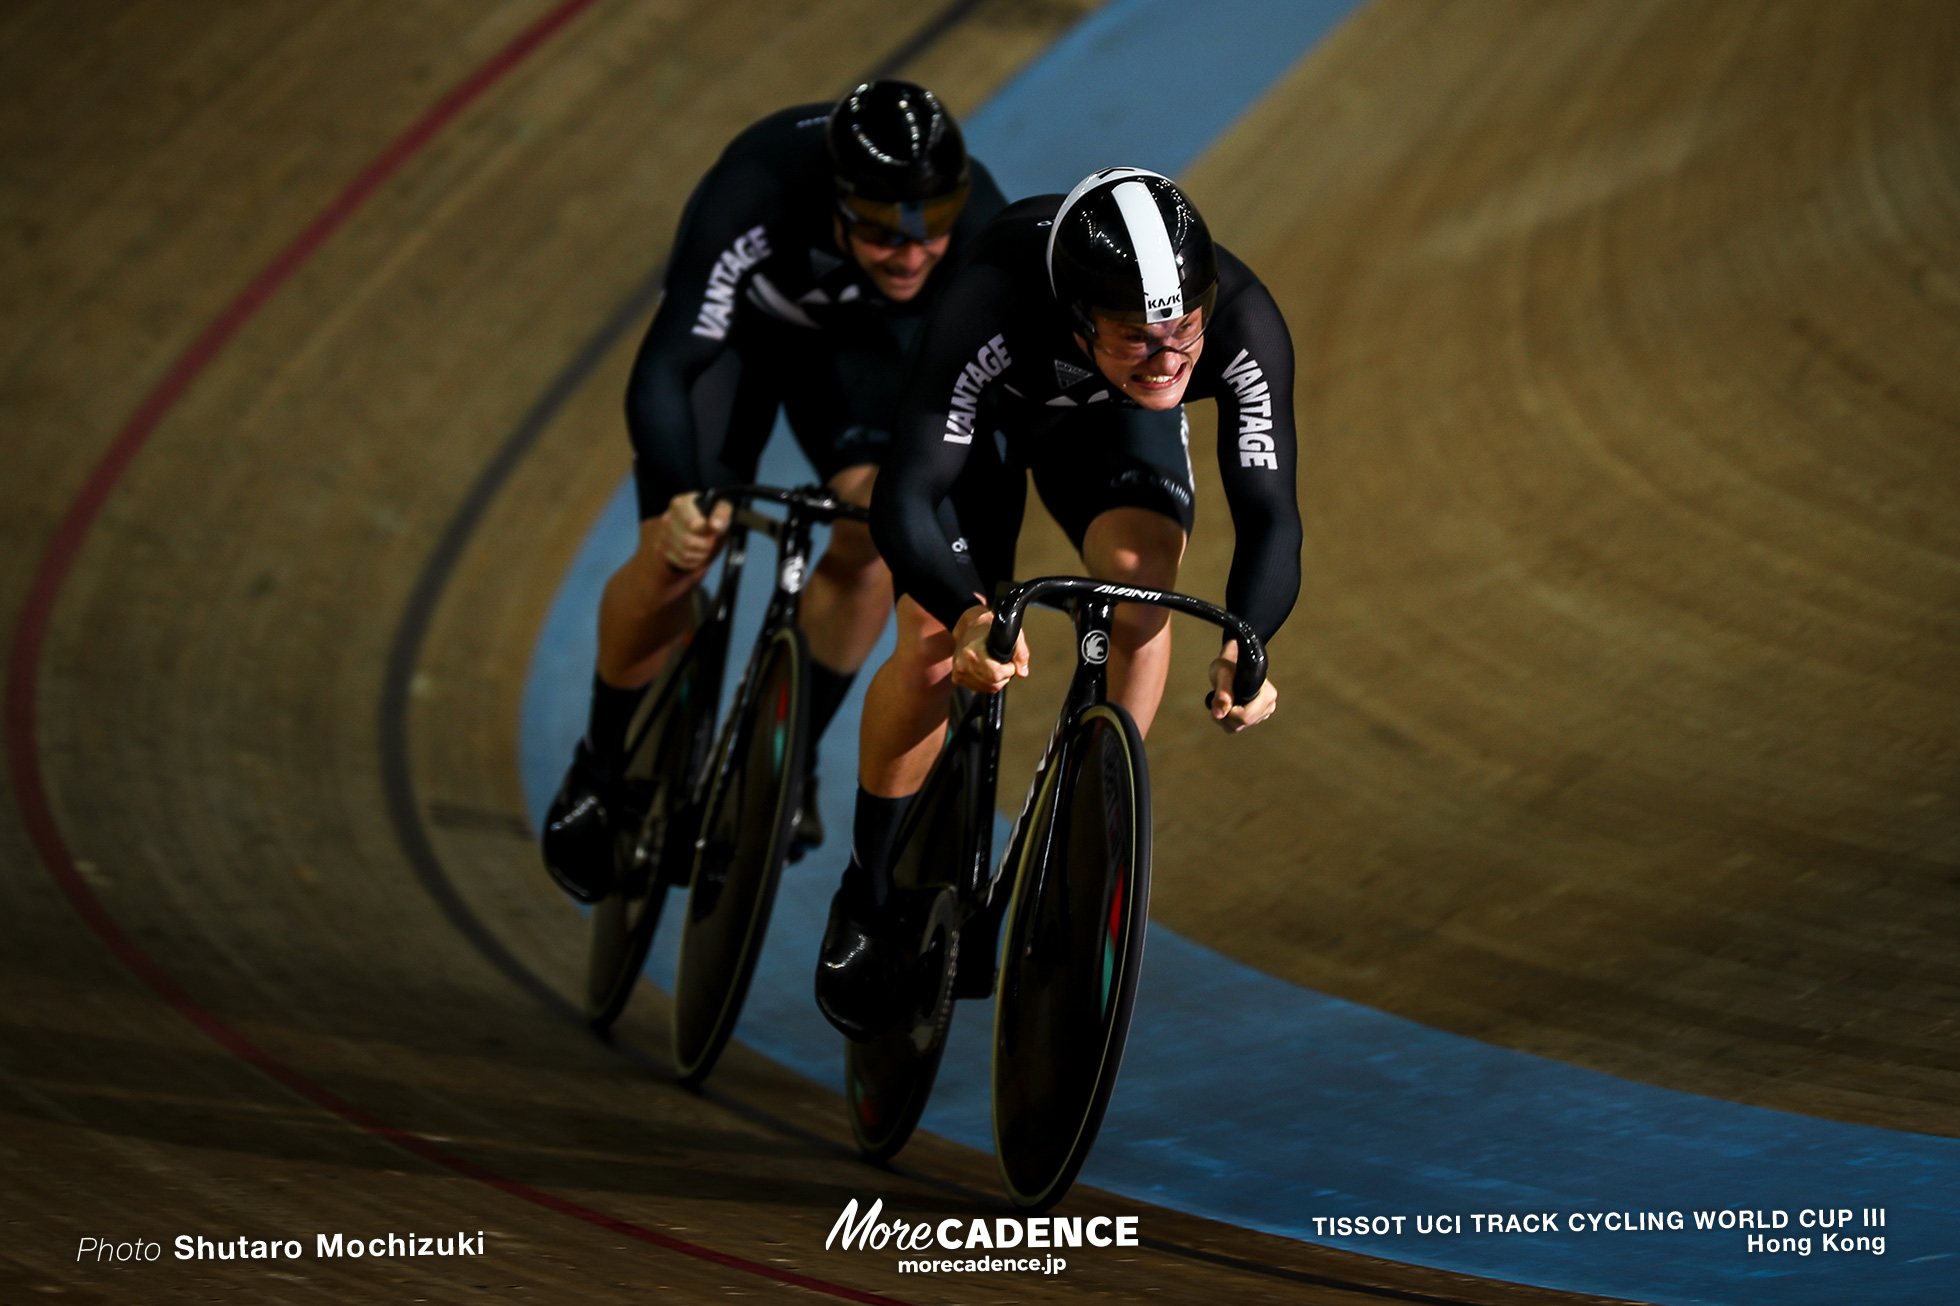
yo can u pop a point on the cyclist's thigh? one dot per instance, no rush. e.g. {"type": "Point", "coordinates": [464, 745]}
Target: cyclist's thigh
{"type": "Point", "coordinates": [734, 406]}
{"type": "Point", "coordinates": [1092, 460]}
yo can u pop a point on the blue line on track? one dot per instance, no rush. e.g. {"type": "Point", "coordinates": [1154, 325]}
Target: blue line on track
{"type": "Point", "coordinates": [1254, 1101]}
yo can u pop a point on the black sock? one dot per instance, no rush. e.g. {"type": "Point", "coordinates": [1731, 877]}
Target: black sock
{"type": "Point", "coordinates": [827, 690]}
{"type": "Point", "coordinates": [874, 828]}
{"type": "Point", "coordinates": [612, 713]}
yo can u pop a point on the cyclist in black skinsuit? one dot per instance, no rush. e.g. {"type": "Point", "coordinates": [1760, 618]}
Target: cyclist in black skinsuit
{"type": "Point", "coordinates": [801, 275]}
{"type": "Point", "coordinates": [1075, 331]}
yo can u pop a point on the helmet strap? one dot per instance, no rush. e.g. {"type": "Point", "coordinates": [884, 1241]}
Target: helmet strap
{"type": "Point", "coordinates": [1085, 326]}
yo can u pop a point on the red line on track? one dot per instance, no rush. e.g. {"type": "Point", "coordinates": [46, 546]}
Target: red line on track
{"type": "Point", "coordinates": [58, 560]}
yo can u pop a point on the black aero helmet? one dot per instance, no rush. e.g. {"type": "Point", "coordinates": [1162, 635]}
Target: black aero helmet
{"type": "Point", "coordinates": [1128, 245]}
{"type": "Point", "coordinates": [899, 160]}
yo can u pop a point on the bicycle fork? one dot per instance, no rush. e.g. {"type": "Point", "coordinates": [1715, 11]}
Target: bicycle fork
{"type": "Point", "coordinates": [792, 538]}
{"type": "Point", "coordinates": [1090, 685]}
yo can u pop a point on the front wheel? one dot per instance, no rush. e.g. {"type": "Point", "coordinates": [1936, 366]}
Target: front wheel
{"type": "Point", "coordinates": [1074, 949]}
{"type": "Point", "coordinates": [745, 831]}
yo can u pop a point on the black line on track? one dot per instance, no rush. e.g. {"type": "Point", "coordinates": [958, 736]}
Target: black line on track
{"type": "Point", "coordinates": [924, 39]}
{"type": "Point", "coordinates": [398, 780]}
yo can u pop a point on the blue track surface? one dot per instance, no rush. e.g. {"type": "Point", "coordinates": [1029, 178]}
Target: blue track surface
{"type": "Point", "coordinates": [1261, 1103]}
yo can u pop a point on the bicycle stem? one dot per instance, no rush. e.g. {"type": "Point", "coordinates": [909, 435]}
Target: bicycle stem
{"type": "Point", "coordinates": [809, 506]}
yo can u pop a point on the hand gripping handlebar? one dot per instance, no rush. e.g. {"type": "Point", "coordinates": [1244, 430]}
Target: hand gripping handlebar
{"type": "Point", "coordinates": [1062, 591]}
{"type": "Point", "coordinates": [815, 502]}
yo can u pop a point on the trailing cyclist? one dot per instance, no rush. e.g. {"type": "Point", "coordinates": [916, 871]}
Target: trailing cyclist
{"type": "Point", "coordinates": [1069, 342]}
{"type": "Point", "coordinates": [801, 274]}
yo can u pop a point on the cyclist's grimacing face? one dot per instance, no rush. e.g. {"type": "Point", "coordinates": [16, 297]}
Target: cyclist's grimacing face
{"type": "Point", "coordinates": [1150, 364]}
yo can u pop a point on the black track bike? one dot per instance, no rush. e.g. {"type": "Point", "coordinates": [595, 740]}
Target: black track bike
{"type": "Point", "coordinates": [714, 814]}
{"type": "Point", "coordinates": [1073, 892]}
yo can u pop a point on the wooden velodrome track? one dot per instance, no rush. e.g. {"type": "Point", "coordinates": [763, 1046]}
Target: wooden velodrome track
{"type": "Point", "coordinates": [1620, 707]}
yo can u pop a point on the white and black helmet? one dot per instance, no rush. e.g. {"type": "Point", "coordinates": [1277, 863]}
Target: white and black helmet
{"type": "Point", "coordinates": [1128, 245]}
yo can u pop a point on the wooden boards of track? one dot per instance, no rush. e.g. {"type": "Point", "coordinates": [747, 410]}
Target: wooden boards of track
{"type": "Point", "coordinates": [1621, 715]}
{"type": "Point", "coordinates": [213, 703]}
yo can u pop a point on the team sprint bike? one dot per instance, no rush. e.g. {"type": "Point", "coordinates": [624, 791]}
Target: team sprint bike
{"type": "Point", "coordinates": [714, 814]}
{"type": "Point", "coordinates": [1073, 891]}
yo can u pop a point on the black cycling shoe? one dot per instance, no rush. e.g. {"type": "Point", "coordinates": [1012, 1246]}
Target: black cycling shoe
{"type": "Point", "coordinates": [807, 833]}
{"type": "Point", "coordinates": [857, 971]}
{"type": "Point", "coordinates": [578, 829]}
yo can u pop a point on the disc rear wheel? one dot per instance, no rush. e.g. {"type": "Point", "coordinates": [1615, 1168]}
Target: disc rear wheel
{"type": "Point", "coordinates": [663, 751]}
{"type": "Point", "coordinates": [888, 1079]}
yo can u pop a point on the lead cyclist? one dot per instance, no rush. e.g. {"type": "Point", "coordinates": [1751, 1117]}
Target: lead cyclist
{"type": "Point", "coordinates": [1068, 344]}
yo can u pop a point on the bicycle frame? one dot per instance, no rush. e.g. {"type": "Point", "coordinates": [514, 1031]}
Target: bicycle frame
{"type": "Point", "coordinates": [1091, 604]}
{"type": "Point", "coordinates": [951, 897]}
{"type": "Point", "coordinates": [809, 507]}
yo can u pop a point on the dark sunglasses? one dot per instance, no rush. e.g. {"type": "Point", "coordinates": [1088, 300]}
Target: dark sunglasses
{"type": "Point", "coordinates": [890, 225]}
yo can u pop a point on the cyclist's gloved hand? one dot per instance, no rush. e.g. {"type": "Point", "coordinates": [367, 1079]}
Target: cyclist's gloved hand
{"type": "Point", "coordinates": [1232, 716]}
{"type": "Point", "coordinates": [972, 668]}
{"type": "Point", "coordinates": [689, 537]}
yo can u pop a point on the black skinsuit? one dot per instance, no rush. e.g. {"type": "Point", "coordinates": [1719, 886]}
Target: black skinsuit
{"type": "Point", "coordinates": [1001, 385]}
